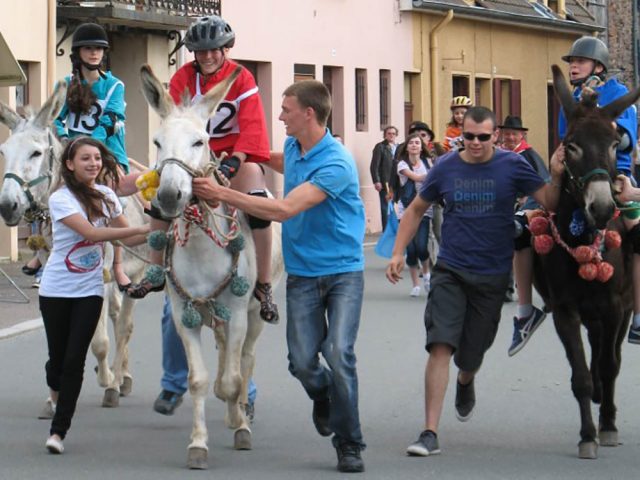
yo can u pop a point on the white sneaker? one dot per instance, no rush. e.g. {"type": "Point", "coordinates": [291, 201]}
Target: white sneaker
{"type": "Point", "coordinates": [426, 283]}
{"type": "Point", "coordinates": [415, 291]}
{"type": "Point", "coordinates": [54, 445]}
{"type": "Point", "coordinates": [48, 411]}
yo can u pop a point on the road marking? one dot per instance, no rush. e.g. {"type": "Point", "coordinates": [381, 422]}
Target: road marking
{"type": "Point", "coordinates": [21, 328]}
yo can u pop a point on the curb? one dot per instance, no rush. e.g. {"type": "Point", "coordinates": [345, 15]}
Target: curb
{"type": "Point", "coordinates": [22, 327]}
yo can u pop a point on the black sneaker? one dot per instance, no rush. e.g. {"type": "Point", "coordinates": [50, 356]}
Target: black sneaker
{"type": "Point", "coordinates": [167, 402]}
{"type": "Point", "coordinates": [349, 459]}
{"type": "Point", "coordinates": [321, 411]}
{"type": "Point", "coordinates": [523, 328]}
{"type": "Point", "coordinates": [427, 444]}
{"type": "Point", "coordinates": [465, 401]}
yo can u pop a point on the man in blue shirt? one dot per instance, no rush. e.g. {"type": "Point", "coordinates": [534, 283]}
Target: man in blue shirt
{"type": "Point", "coordinates": [478, 186]}
{"type": "Point", "coordinates": [322, 235]}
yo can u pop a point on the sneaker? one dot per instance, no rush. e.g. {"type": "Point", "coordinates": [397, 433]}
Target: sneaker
{"type": "Point", "coordinates": [48, 411]}
{"type": "Point", "coordinates": [426, 283]}
{"type": "Point", "coordinates": [634, 335]}
{"type": "Point", "coordinates": [167, 402]}
{"type": "Point", "coordinates": [465, 400]}
{"type": "Point", "coordinates": [54, 444]}
{"type": "Point", "coordinates": [250, 411]}
{"type": "Point", "coordinates": [349, 459]}
{"type": "Point", "coordinates": [321, 411]}
{"type": "Point", "coordinates": [415, 291]}
{"type": "Point", "coordinates": [36, 283]}
{"type": "Point", "coordinates": [523, 328]}
{"type": "Point", "coordinates": [427, 444]}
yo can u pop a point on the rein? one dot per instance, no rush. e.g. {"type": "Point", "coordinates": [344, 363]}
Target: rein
{"type": "Point", "coordinates": [580, 182]}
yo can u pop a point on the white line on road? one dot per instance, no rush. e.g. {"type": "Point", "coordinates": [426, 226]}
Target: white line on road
{"type": "Point", "coordinates": [22, 327]}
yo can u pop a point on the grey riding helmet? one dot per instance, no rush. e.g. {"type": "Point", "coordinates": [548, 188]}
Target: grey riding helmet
{"type": "Point", "coordinates": [90, 35]}
{"type": "Point", "coordinates": [589, 47]}
{"type": "Point", "coordinates": [209, 33]}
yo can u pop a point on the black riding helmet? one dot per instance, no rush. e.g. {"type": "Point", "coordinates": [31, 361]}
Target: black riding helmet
{"type": "Point", "coordinates": [592, 48]}
{"type": "Point", "coordinates": [209, 33]}
{"type": "Point", "coordinates": [90, 35]}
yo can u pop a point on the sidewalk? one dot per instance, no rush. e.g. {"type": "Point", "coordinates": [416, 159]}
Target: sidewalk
{"type": "Point", "coordinates": [14, 313]}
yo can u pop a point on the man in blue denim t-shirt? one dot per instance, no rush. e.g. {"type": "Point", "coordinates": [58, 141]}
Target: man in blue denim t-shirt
{"type": "Point", "coordinates": [323, 231]}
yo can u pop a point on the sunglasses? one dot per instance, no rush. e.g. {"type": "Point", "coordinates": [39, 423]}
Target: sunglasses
{"type": "Point", "coordinates": [483, 137]}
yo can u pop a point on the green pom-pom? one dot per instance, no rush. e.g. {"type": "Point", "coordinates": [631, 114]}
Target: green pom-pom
{"type": "Point", "coordinates": [239, 286]}
{"type": "Point", "coordinates": [155, 275]}
{"type": "Point", "coordinates": [157, 240]}
{"type": "Point", "coordinates": [237, 244]}
{"type": "Point", "coordinates": [191, 318]}
{"type": "Point", "coordinates": [221, 311]}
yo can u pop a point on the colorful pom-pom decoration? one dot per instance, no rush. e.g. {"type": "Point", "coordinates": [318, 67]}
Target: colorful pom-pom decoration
{"type": "Point", "coordinates": [36, 242]}
{"type": "Point", "coordinates": [612, 239]}
{"type": "Point", "coordinates": [588, 271]}
{"type": "Point", "coordinates": [149, 193]}
{"type": "Point", "coordinates": [221, 311]}
{"type": "Point", "coordinates": [584, 254]}
{"type": "Point", "coordinates": [239, 286]}
{"type": "Point", "coordinates": [543, 244]}
{"type": "Point", "coordinates": [236, 245]}
{"type": "Point", "coordinates": [149, 179]}
{"type": "Point", "coordinates": [605, 271]}
{"type": "Point", "coordinates": [157, 240]}
{"type": "Point", "coordinates": [155, 275]}
{"type": "Point", "coordinates": [538, 225]}
{"type": "Point", "coordinates": [191, 318]}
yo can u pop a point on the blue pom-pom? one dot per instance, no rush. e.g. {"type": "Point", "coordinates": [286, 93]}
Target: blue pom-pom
{"type": "Point", "coordinates": [221, 311]}
{"type": "Point", "coordinates": [155, 275]}
{"type": "Point", "coordinates": [237, 244]}
{"type": "Point", "coordinates": [239, 286]}
{"type": "Point", "coordinates": [191, 318]}
{"type": "Point", "coordinates": [157, 240]}
{"type": "Point", "coordinates": [576, 227]}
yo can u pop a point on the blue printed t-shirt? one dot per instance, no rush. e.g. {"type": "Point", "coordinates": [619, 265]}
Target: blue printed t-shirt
{"type": "Point", "coordinates": [628, 120]}
{"type": "Point", "coordinates": [477, 230]}
{"type": "Point", "coordinates": [326, 239]}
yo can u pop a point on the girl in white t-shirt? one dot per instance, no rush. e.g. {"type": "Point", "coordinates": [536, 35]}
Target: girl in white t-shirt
{"type": "Point", "coordinates": [413, 166]}
{"type": "Point", "coordinates": [84, 214]}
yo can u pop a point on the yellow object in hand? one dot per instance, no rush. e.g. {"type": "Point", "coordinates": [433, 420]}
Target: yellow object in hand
{"type": "Point", "coordinates": [149, 179]}
{"type": "Point", "coordinates": [149, 193]}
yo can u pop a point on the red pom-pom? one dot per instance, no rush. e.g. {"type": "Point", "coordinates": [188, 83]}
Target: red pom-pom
{"type": "Point", "coordinates": [543, 244]}
{"type": "Point", "coordinates": [612, 239]}
{"type": "Point", "coordinates": [535, 213]}
{"type": "Point", "coordinates": [538, 225]}
{"type": "Point", "coordinates": [588, 271]}
{"type": "Point", "coordinates": [583, 254]}
{"type": "Point", "coordinates": [605, 271]}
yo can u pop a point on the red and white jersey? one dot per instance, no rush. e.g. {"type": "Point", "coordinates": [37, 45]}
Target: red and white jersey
{"type": "Point", "coordinates": [239, 124]}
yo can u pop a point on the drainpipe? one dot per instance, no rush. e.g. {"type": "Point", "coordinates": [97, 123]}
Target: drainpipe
{"type": "Point", "coordinates": [433, 50]}
{"type": "Point", "coordinates": [51, 45]}
{"type": "Point", "coordinates": [634, 37]}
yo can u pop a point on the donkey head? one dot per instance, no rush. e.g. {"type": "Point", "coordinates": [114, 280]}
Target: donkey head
{"type": "Point", "coordinates": [182, 139]}
{"type": "Point", "coordinates": [29, 153]}
{"type": "Point", "coordinates": [591, 142]}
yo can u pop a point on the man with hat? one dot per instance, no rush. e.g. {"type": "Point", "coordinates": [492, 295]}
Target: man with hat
{"type": "Point", "coordinates": [528, 317]}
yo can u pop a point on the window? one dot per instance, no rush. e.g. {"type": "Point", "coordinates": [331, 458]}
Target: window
{"type": "Point", "coordinates": [303, 72]}
{"type": "Point", "coordinates": [385, 98]}
{"type": "Point", "coordinates": [333, 78]}
{"type": "Point", "coordinates": [483, 92]}
{"type": "Point", "coordinates": [361, 100]}
{"type": "Point", "coordinates": [22, 91]}
{"type": "Point", "coordinates": [460, 85]}
{"type": "Point", "coordinates": [506, 98]}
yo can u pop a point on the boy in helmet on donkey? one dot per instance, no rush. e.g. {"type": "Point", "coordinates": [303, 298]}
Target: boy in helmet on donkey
{"type": "Point", "coordinates": [588, 62]}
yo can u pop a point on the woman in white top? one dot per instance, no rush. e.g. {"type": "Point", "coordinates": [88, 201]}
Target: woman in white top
{"type": "Point", "coordinates": [84, 214]}
{"type": "Point", "coordinates": [414, 163]}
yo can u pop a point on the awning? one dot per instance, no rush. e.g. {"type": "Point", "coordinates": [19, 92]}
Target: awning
{"type": "Point", "coordinates": [10, 72]}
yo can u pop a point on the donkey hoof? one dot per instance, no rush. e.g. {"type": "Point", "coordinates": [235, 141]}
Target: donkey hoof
{"type": "Point", "coordinates": [588, 450]}
{"type": "Point", "coordinates": [126, 386]}
{"type": "Point", "coordinates": [111, 398]}
{"type": "Point", "coordinates": [197, 459]}
{"type": "Point", "coordinates": [242, 439]}
{"type": "Point", "coordinates": [608, 438]}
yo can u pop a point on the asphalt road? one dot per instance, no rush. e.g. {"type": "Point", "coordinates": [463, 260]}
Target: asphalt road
{"type": "Point", "coordinates": [525, 425]}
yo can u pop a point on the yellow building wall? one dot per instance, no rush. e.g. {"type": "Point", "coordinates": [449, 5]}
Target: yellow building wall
{"type": "Point", "coordinates": [483, 50]}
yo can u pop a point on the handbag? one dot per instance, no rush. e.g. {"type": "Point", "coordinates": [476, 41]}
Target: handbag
{"type": "Point", "coordinates": [384, 246]}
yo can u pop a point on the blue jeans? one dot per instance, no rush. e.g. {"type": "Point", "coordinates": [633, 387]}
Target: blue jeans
{"type": "Point", "coordinates": [323, 315]}
{"type": "Point", "coordinates": [174, 359]}
{"type": "Point", "coordinates": [418, 248]}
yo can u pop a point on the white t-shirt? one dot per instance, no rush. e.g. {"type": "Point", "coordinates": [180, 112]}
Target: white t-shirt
{"type": "Point", "coordinates": [74, 268]}
{"type": "Point", "coordinates": [418, 169]}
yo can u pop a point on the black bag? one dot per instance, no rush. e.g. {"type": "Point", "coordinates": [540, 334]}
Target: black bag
{"type": "Point", "coordinates": [408, 192]}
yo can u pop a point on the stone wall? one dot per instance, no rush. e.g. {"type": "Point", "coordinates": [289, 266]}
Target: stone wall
{"type": "Point", "coordinates": [620, 39]}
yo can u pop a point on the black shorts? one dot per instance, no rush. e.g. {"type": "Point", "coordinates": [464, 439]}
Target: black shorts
{"type": "Point", "coordinates": [463, 311]}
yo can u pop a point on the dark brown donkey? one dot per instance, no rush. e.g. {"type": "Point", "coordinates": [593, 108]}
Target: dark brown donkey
{"type": "Point", "coordinates": [604, 308]}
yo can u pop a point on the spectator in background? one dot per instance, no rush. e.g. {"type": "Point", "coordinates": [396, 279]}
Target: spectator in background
{"type": "Point", "coordinates": [381, 165]}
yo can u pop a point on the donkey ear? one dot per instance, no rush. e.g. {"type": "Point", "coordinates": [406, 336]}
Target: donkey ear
{"type": "Point", "coordinates": [155, 93]}
{"type": "Point", "coordinates": [209, 103]}
{"type": "Point", "coordinates": [52, 107]}
{"type": "Point", "coordinates": [563, 93]}
{"type": "Point", "coordinates": [615, 108]}
{"type": "Point", "coordinates": [9, 117]}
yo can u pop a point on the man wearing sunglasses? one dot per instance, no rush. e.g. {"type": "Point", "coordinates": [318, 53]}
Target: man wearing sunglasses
{"type": "Point", "coordinates": [478, 186]}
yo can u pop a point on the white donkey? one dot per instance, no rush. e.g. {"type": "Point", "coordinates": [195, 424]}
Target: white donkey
{"type": "Point", "coordinates": [32, 159]}
{"type": "Point", "coordinates": [207, 271]}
